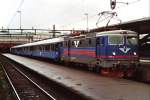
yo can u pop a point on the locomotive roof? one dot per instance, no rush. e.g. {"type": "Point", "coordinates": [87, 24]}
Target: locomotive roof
{"type": "Point", "coordinates": [116, 32]}
{"type": "Point", "coordinates": [104, 33]}
{"type": "Point", "coordinates": [60, 39]}
{"type": "Point", "coordinates": [42, 42]}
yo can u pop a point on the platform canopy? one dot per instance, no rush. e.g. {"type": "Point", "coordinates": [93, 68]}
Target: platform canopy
{"type": "Point", "coordinates": [142, 26]}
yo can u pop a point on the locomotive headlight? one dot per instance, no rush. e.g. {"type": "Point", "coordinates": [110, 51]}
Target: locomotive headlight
{"type": "Point", "coordinates": [114, 53]}
{"type": "Point", "coordinates": [134, 53]}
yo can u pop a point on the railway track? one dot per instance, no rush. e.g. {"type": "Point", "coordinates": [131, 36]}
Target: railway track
{"type": "Point", "coordinates": [24, 87]}
{"type": "Point", "coordinates": [28, 85]}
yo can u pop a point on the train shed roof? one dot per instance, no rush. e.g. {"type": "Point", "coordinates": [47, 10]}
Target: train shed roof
{"type": "Point", "coordinates": [141, 26]}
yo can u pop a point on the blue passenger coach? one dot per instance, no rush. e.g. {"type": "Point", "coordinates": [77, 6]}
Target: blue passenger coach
{"type": "Point", "coordinates": [50, 48]}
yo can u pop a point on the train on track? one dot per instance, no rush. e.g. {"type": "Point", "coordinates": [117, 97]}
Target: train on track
{"type": "Point", "coordinates": [112, 53]}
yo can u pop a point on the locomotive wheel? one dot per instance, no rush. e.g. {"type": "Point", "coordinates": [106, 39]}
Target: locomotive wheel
{"type": "Point", "coordinates": [97, 69]}
{"type": "Point", "coordinates": [91, 67]}
{"type": "Point", "coordinates": [112, 73]}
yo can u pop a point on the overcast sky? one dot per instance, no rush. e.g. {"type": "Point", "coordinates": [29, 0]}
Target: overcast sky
{"type": "Point", "coordinates": [66, 14]}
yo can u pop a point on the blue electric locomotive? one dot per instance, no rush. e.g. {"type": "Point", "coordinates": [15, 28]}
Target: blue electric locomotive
{"type": "Point", "coordinates": [112, 53]}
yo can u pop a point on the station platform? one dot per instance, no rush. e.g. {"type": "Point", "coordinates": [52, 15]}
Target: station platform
{"type": "Point", "coordinates": [93, 86]}
{"type": "Point", "coordinates": [144, 61]}
{"type": "Point", "coordinates": [145, 71]}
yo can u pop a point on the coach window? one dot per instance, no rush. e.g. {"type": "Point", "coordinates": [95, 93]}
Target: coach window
{"type": "Point", "coordinates": [47, 47]}
{"type": "Point", "coordinates": [50, 46]}
{"type": "Point", "coordinates": [33, 48]}
{"type": "Point", "coordinates": [72, 43]}
{"type": "Point", "coordinates": [66, 43]}
{"type": "Point", "coordinates": [39, 48]}
{"type": "Point", "coordinates": [60, 44]}
{"type": "Point", "coordinates": [90, 41]}
{"type": "Point", "coordinates": [56, 46]}
{"type": "Point", "coordinates": [29, 48]}
{"type": "Point", "coordinates": [25, 49]}
{"type": "Point", "coordinates": [43, 47]}
{"type": "Point", "coordinates": [53, 47]}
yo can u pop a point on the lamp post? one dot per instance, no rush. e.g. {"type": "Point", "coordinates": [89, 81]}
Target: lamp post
{"type": "Point", "coordinates": [87, 27]}
{"type": "Point", "coordinates": [19, 11]}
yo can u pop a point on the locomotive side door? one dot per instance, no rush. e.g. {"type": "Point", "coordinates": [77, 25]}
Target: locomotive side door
{"type": "Point", "coordinates": [69, 48]}
{"type": "Point", "coordinates": [59, 49]}
{"type": "Point", "coordinates": [100, 47]}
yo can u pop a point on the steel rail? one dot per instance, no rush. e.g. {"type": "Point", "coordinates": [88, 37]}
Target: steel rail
{"type": "Point", "coordinates": [45, 92]}
{"type": "Point", "coordinates": [16, 93]}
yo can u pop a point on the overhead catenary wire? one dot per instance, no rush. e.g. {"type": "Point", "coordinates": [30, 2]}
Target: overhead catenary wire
{"type": "Point", "coordinates": [127, 3]}
{"type": "Point", "coordinates": [15, 13]}
{"type": "Point", "coordinates": [95, 15]}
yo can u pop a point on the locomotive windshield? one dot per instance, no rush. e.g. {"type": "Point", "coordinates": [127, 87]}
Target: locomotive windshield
{"type": "Point", "coordinates": [132, 40]}
{"type": "Point", "coordinates": [115, 40]}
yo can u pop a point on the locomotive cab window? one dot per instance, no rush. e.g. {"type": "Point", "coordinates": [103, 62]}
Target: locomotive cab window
{"type": "Point", "coordinates": [132, 40]}
{"type": "Point", "coordinates": [115, 40]}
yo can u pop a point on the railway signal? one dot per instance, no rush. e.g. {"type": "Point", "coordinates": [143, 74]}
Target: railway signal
{"type": "Point", "coordinates": [112, 4]}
